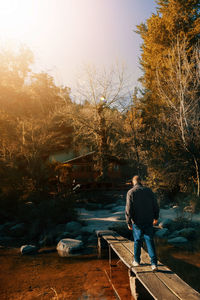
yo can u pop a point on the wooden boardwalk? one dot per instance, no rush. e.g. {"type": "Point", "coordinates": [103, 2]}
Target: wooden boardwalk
{"type": "Point", "coordinates": [144, 283]}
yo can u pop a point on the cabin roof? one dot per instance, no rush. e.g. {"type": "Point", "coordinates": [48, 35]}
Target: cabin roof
{"type": "Point", "coordinates": [109, 157]}
{"type": "Point", "coordinates": [79, 157]}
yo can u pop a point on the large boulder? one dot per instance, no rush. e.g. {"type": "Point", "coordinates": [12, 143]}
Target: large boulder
{"type": "Point", "coordinates": [65, 235]}
{"type": "Point", "coordinates": [174, 234]}
{"type": "Point", "coordinates": [188, 233]}
{"type": "Point", "coordinates": [87, 230]}
{"type": "Point", "coordinates": [177, 240]}
{"type": "Point", "coordinates": [92, 240]}
{"type": "Point", "coordinates": [6, 240]}
{"type": "Point", "coordinates": [73, 227]}
{"type": "Point", "coordinates": [18, 230]}
{"type": "Point", "coordinates": [34, 230]}
{"type": "Point", "coordinates": [47, 240]}
{"type": "Point", "coordinates": [5, 228]}
{"type": "Point", "coordinates": [162, 233]}
{"type": "Point", "coordinates": [166, 223]}
{"type": "Point", "coordinates": [29, 249]}
{"type": "Point", "coordinates": [69, 247]}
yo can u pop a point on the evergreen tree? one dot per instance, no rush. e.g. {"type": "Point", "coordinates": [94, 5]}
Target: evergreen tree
{"type": "Point", "coordinates": [175, 21]}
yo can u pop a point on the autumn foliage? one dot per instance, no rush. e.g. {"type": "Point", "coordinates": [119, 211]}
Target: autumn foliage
{"type": "Point", "coordinates": [155, 130]}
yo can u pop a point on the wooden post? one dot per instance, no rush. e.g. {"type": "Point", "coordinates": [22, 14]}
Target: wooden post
{"type": "Point", "coordinates": [99, 247]}
{"type": "Point", "coordinates": [138, 291]}
{"type": "Point", "coordinates": [102, 248]}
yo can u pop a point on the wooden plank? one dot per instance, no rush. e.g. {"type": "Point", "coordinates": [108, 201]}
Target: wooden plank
{"type": "Point", "coordinates": [155, 287]}
{"type": "Point", "coordinates": [180, 288]}
{"type": "Point", "coordinates": [163, 284]}
{"type": "Point", "coordinates": [144, 273]}
{"type": "Point", "coordinates": [144, 255]}
{"type": "Point", "coordinates": [138, 291]}
{"type": "Point", "coordinates": [123, 254]}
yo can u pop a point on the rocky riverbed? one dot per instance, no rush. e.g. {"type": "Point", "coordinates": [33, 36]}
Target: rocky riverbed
{"type": "Point", "coordinates": [44, 274]}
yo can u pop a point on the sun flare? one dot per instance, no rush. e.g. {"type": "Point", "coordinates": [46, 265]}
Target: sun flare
{"type": "Point", "coordinates": [15, 16]}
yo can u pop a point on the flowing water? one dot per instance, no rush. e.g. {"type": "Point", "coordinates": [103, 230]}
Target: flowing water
{"type": "Point", "coordinates": [47, 276]}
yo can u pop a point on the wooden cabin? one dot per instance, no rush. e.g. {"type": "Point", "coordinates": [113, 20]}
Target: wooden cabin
{"type": "Point", "coordinates": [83, 168]}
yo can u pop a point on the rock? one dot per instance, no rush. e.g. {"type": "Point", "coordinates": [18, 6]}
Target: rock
{"type": "Point", "coordinates": [166, 223]}
{"type": "Point", "coordinates": [92, 240]}
{"type": "Point", "coordinates": [108, 206]}
{"type": "Point", "coordinates": [64, 235]}
{"type": "Point", "coordinates": [68, 247]}
{"type": "Point", "coordinates": [5, 228]}
{"type": "Point", "coordinates": [6, 240]}
{"type": "Point", "coordinates": [178, 240]}
{"type": "Point", "coordinates": [188, 209]}
{"type": "Point", "coordinates": [119, 208]}
{"type": "Point", "coordinates": [166, 206]}
{"type": "Point", "coordinates": [48, 239]}
{"type": "Point", "coordinates": [34, 230]}
{"type": "Point", "coordinates": [93, 206]}
{"type": "Point", "coordinates": [60, 227]}
{"type": "Point", "coordinates": [162, 232]}
{"type": "Point", "coordinates": [174, 234]}
{"type": "Point", "coordinates": [18, 230]}
{"type": "Point", "coordinates": [87, 230]}
{"type": "Point", "coordinates": [73, 227]}
{"type": "Point", "coordinates": [28, 249]}
{"type": "Point", "coordinates": [188, 233]}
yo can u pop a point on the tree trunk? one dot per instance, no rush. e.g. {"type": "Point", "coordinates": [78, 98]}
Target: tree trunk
{"type": "Point", "coordinates": [103, 147]}
{"type": "Point", "coordinates": [197, 174]}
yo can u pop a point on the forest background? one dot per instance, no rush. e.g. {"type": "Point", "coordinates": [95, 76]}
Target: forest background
{"type": "Point", "coordinates": [155, 129]}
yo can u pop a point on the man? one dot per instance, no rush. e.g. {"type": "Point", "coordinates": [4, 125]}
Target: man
{"type": "Point", "coordinates": [142, 213]}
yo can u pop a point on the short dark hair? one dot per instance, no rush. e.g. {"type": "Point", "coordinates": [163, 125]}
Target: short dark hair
{"type": "Point", "coordinates": [137, 178]}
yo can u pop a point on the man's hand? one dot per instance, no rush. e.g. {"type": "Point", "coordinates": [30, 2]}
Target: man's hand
{"type": "Point", "coordinates": [155, 222]}
{"type": "Point", "coordinates": [130, 227]}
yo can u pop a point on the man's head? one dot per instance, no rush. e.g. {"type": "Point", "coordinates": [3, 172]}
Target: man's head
{"type": "Point", "coordinates": [136, 179]}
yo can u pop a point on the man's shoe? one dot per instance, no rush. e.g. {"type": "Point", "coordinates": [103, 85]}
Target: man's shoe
{"type": "Point", "coordinates": [135, 263]}
{"type": "Point", "coordinates": [154, 268]}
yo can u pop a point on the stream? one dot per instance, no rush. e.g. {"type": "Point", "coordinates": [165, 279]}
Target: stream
{"type": "Point", "coordinates": [47, 276]}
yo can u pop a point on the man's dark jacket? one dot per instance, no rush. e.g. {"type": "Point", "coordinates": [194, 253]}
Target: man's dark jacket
{"type": "Point", "coordinates": [141, 206]}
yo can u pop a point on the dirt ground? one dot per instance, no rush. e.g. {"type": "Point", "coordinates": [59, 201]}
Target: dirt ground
{"type": "Point", "coordinates": [47, 276]}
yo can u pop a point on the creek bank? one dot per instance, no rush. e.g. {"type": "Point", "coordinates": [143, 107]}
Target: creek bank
{"type": "Point", "coordinates": [93, 217]}
{"type": "Point", "coordinates": [178, 231]}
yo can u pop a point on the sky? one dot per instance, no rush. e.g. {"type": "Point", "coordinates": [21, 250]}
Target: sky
{"type": "Point", "coordinates": [65, 35]}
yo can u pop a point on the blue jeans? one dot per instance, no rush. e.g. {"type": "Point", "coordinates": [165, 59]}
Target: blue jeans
{"type": "Point", "coordinates": [146, 231]}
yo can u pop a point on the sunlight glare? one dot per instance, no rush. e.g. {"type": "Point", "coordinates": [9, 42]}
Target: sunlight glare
{"type": "Point", "coordinates": [15, 16]}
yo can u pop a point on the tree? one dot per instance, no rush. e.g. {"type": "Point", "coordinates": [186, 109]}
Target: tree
{"type": "Point", "coordinates": [14, 70]}
{"type": "Point", "coordinates": [31, 128]}
{"type": "Point", "coordinates": [95, 118]}
{"type": "Point", "coordinates": [179, 91]}
{"type": "Point", "coordinates": [174, 20]}
{"type": "Point", "coordinates": [46, 96]}
{"type": "Point", "coordinates": [132, 128]}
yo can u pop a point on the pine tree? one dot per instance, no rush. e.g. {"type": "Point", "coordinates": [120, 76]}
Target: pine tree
{"type": "Point", "coordinates": [176, 21]}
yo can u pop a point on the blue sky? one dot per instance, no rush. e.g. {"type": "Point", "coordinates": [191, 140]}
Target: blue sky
{"type": "Point", "coordinates": [66, 34]}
